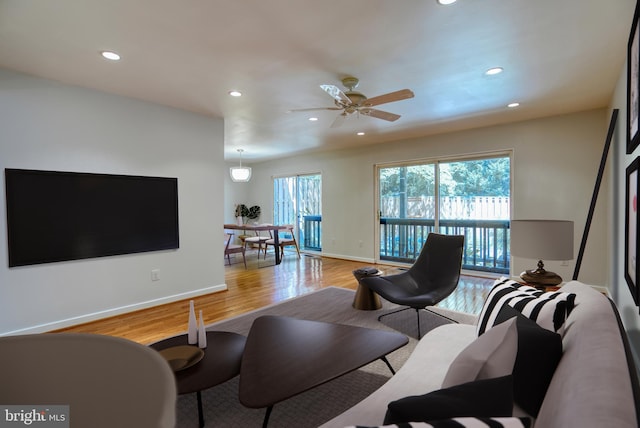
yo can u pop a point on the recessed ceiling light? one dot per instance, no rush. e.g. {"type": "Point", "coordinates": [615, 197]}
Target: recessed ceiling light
{"type": "Point", "coordinates": [446, 2]}
{"type": "Point", "coordinates": [235, 93]}
{"type": "Point", "coordinates": [313, 119]}
{"type": "Point", "coordinates": [512, 105]}
{"type": "Point", "coordinates": [494, 70]}
{"type": "Point", "coordinates": [110, 55]}
{"type": "Point", "coordinates": [360, 133]}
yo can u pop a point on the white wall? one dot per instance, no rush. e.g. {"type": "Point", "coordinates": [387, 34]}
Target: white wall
{"type": "Point", "coordinates": [47, 125]}
{"type": "Point", "coordinates": [619, 288]}
{"type": "Point", "coordinates": [555, 163]}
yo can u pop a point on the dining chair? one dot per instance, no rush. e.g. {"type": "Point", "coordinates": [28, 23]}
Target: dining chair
{"type": "Point", "coordinates": [258, 239]}
{"type": "Point", "coordinates": [230, 248]}
{"type": "Point", "coordinates": [288, 239]}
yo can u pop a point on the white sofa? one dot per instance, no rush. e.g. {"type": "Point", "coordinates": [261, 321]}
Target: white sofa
{"type": "Point", "coordinates": [594, 385]}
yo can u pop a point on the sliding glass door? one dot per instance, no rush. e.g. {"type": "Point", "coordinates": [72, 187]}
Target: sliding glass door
{"type": "Point", "coordinates": [297, 201]}
{"type": "Point", "coordinates": [407, 209]}
{"type": "Point", "coordinates": [469, 197]}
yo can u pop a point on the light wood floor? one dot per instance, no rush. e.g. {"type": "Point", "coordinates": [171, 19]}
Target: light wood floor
{"type": "Point", "coordinates": [259, 286]}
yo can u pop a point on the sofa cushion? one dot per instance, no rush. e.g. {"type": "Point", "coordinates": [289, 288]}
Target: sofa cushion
{"type": "Point", "coordinates": [487, 397]}
{"type": "Point", "coordinates": [491, 355]}
{"type": "Point", "coordinates": [539, 352]}
{"type": "Point", "coordinates": [464, 422]}
{"type": "Point", "coordinates": [549, 310]}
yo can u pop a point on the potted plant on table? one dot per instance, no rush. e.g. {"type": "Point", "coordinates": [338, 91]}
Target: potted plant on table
{"type": "Point", "coordinates": [241, 212]}
{"type": "Point", "coordinates": [253, 213]}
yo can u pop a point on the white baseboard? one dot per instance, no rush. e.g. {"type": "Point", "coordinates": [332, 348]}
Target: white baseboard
{"type": "Point", "coordinates": [350, 258]}
{"type": "Point", "coordinates": [56, 325]}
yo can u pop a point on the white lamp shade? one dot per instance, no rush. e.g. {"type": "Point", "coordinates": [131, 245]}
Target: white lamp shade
{"type": "Point", "coordinates": [542, 239]}
{"type": "Point", "coordinates": [240, 173]}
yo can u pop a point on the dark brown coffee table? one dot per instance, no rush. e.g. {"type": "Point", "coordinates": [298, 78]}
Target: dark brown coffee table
{"type": "Point", "coordinates": [286, 356]}
{"type": "Point", "coordinates": [220, 363]}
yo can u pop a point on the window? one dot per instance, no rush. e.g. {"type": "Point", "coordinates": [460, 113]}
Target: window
{"type": "Point", "coordinates": [469, 197]}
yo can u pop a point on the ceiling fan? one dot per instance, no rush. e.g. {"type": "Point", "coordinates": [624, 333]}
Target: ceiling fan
{"type": "Point", "coordinates": [352, 101]}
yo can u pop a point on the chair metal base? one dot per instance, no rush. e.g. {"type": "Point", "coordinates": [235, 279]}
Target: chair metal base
{"type": "Point", "coordinates": [418, 316]}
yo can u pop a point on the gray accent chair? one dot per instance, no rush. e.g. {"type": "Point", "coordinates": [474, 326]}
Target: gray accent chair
{"type": "Point", "coordinates": [433, 276]}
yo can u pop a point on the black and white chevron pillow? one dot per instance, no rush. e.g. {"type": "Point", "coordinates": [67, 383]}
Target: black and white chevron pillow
{"type": "Point", "coordinates": [548, 309]}
{"type": "Point", "coordinates": [466, 422]}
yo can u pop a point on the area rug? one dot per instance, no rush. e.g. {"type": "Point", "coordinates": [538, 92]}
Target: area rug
{"type": "Point", "coordinates": [312, 408]}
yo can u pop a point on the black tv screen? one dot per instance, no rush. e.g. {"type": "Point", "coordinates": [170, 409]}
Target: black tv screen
{"type": "Point", "coordinates": [56, 216]}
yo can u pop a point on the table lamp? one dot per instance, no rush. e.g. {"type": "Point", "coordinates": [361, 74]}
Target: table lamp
{"type": "Point", "coordinates": [542, 239]}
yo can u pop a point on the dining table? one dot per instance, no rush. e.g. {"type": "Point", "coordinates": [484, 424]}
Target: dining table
{"type": "Point", "coordinates": [261, 227]}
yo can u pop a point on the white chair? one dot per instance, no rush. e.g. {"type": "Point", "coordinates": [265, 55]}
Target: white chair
{"type": "Point", "coordinates": [106, 381]}
{"type": "Point", "coordinates": [288, 239]}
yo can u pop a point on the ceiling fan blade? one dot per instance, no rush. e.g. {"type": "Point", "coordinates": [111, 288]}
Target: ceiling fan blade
{"type": "Point", "coordinates": [336, 94]}
{"type": "Point", "coordinates": [379, 114]}
{"type": "Point", "coordinates": [313, 109]}
{"type": "Point", "coordinates": [339, 120]}
{"type": "Point", "coordinates": [402, 94]}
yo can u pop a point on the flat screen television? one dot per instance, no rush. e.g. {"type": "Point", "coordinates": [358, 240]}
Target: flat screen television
{"type": "Point", "coordinates": [55, 216]}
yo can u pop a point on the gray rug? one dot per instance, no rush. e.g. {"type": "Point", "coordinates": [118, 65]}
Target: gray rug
{"type": "Point", "coordinates": [312, 408]}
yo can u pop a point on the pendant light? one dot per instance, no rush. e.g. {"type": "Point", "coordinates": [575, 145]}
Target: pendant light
{"type": "Point", "coordinates": [240, 173]}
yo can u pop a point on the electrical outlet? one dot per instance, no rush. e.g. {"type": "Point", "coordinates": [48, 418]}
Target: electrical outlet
{"type": "Point", "coordinates": [155, 275]}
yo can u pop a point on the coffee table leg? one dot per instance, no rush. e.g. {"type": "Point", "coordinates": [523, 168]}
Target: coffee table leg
{"type": "Point", "coordinates": [388, 364]}
{"type": "Point", "coordinates": [266, 417]}
{"type": "Point", "coordinates": [200, 415]}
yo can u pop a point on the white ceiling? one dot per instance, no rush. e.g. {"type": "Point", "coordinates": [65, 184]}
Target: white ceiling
{"type": "Point", "coordinates": [559, 56]}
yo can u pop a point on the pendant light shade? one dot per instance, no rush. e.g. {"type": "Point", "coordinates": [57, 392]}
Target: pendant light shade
{"type": "Point", "coordinates": [240, 173]}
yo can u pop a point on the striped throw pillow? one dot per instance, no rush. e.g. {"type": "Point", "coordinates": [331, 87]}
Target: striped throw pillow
{"type": "Point", "coordinates": [548, 309]}
{"type": "Point", "coordinates": [506, 422]}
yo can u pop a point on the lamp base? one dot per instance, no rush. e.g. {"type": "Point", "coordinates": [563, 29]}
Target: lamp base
{"type": "Point", "coordinates": [540, 278]}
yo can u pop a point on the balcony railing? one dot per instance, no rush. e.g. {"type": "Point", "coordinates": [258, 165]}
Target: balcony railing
{"type": "Point", "coordinates": [311, 232]}
{"type": "Point", "coordinates": [486, 241]}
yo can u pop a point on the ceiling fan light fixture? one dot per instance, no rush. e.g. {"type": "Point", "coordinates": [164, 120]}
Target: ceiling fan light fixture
{"type": "Point", "coordinates": [353, 102]}
{"type": "Point", "coordinates": [240, 174]}
{"type": "Point", "coordinates": [235, 93]}
{"type": "Point", "coordinates": [513, 105]}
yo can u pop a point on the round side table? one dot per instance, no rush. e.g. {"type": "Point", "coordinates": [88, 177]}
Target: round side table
{"type": "Point", "coordinates": [221, 362]}
{"type": "Point", "coordinates": [365, 299]}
